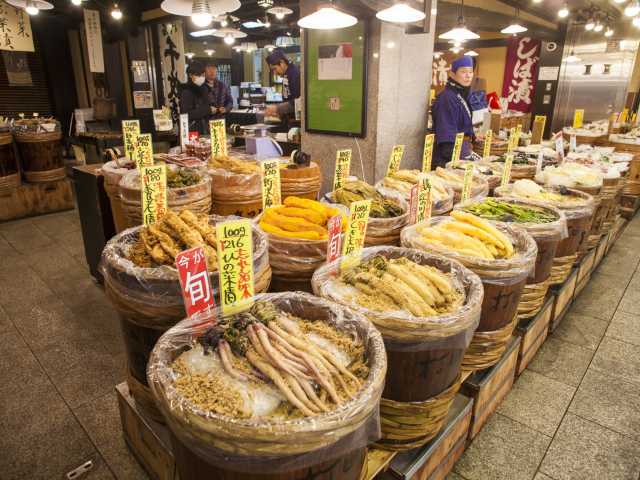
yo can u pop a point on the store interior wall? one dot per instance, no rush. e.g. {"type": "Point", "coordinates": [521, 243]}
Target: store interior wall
{"type": "Point", "coordinates": [491, 63]}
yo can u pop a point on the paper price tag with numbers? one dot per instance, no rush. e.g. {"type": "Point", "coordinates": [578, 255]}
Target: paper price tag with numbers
{"type": "Point", "coordinates": [130, 130]}
{"type": "Point", "coordinates": [488, 138]}
{"type": "Point", "coordinates": [143, 151]}
{"type": "Point", "coordinates": [154, 193]}
{"type": "Point", "coordinates": [218, 130]}
{"type": "Point", "coordinates": [395, 160]}
{"type": "Point", "coordinates": [356, 232]}
{"type": "Point", "coordinates": [271, 191]}
{"type": "Point", "coordinates": [466, 184]}
{"type": "Point", "coordinates": [578, 117]}
{"type": "Point", "coordinates": [343, 166]}
{"type": "Point", "coordinates": [235, 265]}
{"type": "Point", "coordinates": [421, 200]}
{"type": "Point", "coordinates": [427, 154]}
{"type": "Point", "coordinates": [457, 149]}
{"type": "Point", "coordinates": [506, 171]}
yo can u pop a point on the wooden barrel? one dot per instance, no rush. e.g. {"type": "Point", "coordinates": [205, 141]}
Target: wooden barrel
{"type": "Point", "coordinates": [113, 172]}
{"type": "Point", "coordinates": [302, 182]}
{"type": "Point", "coordinates": [235, 193]}
{"type": "Point", "coordinates": [41, 156]}
{"type": "Point", "coordinates": [9, 169]}
{"type": "Point", "coordinates": [149, 302]}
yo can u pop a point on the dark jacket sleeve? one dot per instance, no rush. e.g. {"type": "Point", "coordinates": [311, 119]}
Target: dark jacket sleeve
{"type": "Point", "coordinates": [197, 106]}
{"type": "Point", "coordinates": [228, 99]}
{"type": "Point", "coordinates": [446, 120]}
{"type": "Point", "coordinates": [293, 76]}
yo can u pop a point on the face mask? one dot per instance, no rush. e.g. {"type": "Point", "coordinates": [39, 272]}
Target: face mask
{"type": "Point", "coordinates": [199, 81]}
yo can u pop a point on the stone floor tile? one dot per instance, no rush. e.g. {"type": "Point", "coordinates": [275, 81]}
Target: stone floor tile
{"type": "Point", "coordinates": [19, 368]}
{"type": "Point", "coordinates": [53, 262]}
{"type": "Point", "coordinates": [73, 244]}
{"type": "Point", "coordinates": [583, 450]}
{"type": "Point", "coordinates": [76, 289]}
{"type": "Point", "coordinates": [621, 262]}
{"type": "Point", "coordinates": [537, 402]}
{"type": "Point", "coordinates": [55, 225]}
{"type": "Point", "coordinates": [610, 402]}
{"type": "Point", "coordinates": [618, 359]}
{"type": "Point", "coordinates": [580, 329]}
{"type": "Point", "coordinates": [600, 297]}
{"type": "Point", "coordinates": [101, 420]}
{"type": "Point", "coordinates": [625, 327]}
{"type": "Point", "coordinates": [630, 302]}
{"type": "Point", "coordinates": [5, 321]}
{"type": "Point", "coordinates": [26, 238]}
{"type": "Point", "coordinates": [503, 450]}
{"type": "Point", "coordinates": [542, 476]}
{"type": "Point", "coordinates": [99, 471]}
{"type": "Point", "coordinates": [561, 361]}
{"type": "Point", "coordinates": [90, 379]}
{"type": "Point", "coordinates": [454, 476]}
{"type": "Point", "coordinates": [21, 289]}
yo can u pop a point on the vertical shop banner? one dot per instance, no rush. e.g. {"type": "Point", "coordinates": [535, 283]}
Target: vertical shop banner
{"type": "Point", "coordinates": [93, 32]}
{"type": "Point", "coordinates": [154, 193]}
{"type": "Point", "coordinates": [184, 131]}
{"type": "Point", "coordinates": [15, 29]}
{"type": "Point", "coordinates": [197, 292]}
{"type": "Point", "coordinates": [235, 265]}
{"type": "Point", "coordinates": [343, 167]}
{"type": "Point", "coordinates": [271, 188]}
{"type": "Point", "coordinates": [521, 72]}
{"type": "Point", "coordinates": [172, 62]}
{"type": "Point", "coordinates": [427, 154]}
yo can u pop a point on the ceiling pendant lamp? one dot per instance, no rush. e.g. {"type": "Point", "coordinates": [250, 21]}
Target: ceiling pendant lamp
{"type": "Point", "coordinates": [460, 32]}
{"type": "Point", "coordinates": [280, 12]}
{"type": "Point", "coordinates": [608, 32]}
{"type": "Point", "coordinates": [327, 17]}
{"type": "Point", "coordinates": [632, 9]}
{"type": "Point", "coordinates": [32, 7]}
{"type": "Point", "coordinates": [201, 15]}
{"type": "Point", "coordinates": [515, 27]}
{"type": "Point", "coordinates": [598, 27]}
{"type": "Point", "coordinates": [590, 25]}
{"type": "Point", "coordinates": [471, 53]}
{"type": "Point", "coordinates": [400, 12]}
{"type": "Point", "coordinates": [116, 13]}
{"type": "Point", "coordinates": [564, 11]}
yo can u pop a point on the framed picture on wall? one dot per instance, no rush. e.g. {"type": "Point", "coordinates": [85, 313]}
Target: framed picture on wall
{"type": "Point", "coordinates": [336, 81]}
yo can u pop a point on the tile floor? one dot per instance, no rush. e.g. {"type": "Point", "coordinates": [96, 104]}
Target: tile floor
{"type": "Point", "coordinates": [574, 414]}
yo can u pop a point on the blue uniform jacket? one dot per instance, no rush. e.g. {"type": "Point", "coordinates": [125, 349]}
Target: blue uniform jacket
{"type": "Point", "coordinates": [451, 115]}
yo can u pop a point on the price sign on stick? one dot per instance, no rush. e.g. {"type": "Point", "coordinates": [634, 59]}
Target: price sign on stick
{"type": "Point", "coordinates": [271, 194]}
{"type": "Point", "coordinates": [396, 158]}
{"type": "Point", "coordinates": [578, 117]}
{"type": "Point", "coordinates": [488, 138]}
{"type": "Point", "coordinates": [194, 281]}
{"type": "Point", "coordinates": [184, 130]}
{"type": "Point", "coordinates": [356, 231]}
{"type": "Point", "coordinates": [424, 199]}
{"type": "Point", "coordinates": [218, 130]}
{"type": "Point", "coordinates": [235, 265]}
{"type": "Point", "coordinates": [624, 115]}
{"type": "Point", "coordinates": [560, 148]}
{"type": "Point", "coordinates": [506, 172]}
{"type": "Point", "coordinates": [572, 143]}
{"type": "Point", "coordinates": [427, 154]}
{"type": "Point", "coordinates": [466, 184]}
{"type": "Point", "coordinates": [457, 149]}
{"type": "Point", "coordinates": [538, 129]}
{"type": "Point", "coordinates": [143, 151]}
{"type": "Point", "coordinates": [154, 193]}
{"type": "Point", "coordinates": [512, 139]}
{"type": "Point", "coordinates": [334, 228]}
{"type": "Point", "coordinates": [343, 166]}
{"type": "Point", "coordinates": [539, 162]}
{"type": "Point", "coordinates": [130, 130]}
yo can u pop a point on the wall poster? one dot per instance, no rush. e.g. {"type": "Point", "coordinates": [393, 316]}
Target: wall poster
{"type": "Point", "coordinates": [17, 67]}
{"type": "Point", "coordinates": [336, 80]}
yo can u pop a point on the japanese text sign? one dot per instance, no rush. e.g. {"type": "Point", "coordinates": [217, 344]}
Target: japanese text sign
{"type": "Point", "coordinates": [421, 200]}
{"type": "Point", "coordinates": [560, 148]}
{"type": "Point", "coordinates": [184, 130]}
{"type": "Point", "coordinates": [271, 195]}
{"type": "Point", "coordinates": [343, 166]}
{"type": "Point", "coordinates": [466, 183]}
{"type": "Point", "coordinates": [154, 193]}
{"type": "Point", "coordinates": [143, 151]}
{"type": "Point", "coordinates": [396, 158]}
{"type": "Point", "coordinates": [457, 149]}
{"type": "Point", "coordinates": [623, 116]}
{"type": "Point", "coordinates": [538, 129]}
{"type": "Point", "coordinates": [130, 132]}
{"type": "Point", "coordinates": [235, 265]}
{"type": "Point", "coordinates": [334, 228]}
{"type": "Point", "coordinates": [539, 162]}
{"type": "Point", "coordinates": [15, 29]}
{"type": "Point", "coordinates": [194, 281]}
{"type": "Point", "coordinates": [427, 154]}
{"type": "Point", "coordinates": [506, 171]}
{"type": "Point", "coordinates": [513, 139]}
{"type": "Point", "coordinates": [218, 130]}
{"type": "Point", "coordinates": [356, 231]}
{"type": "Point", "coordinates": [578, 117]}
{"type": "Point", "coordinates": [488, 138]}
{"type": "Point", "coordinates": [93, 35]}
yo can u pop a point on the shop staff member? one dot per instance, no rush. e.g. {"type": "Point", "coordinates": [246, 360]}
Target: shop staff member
{"type": "Point", "coordinates": [280, 65]}
{"type": "Point", "coordinates": [451, 112]}
{"type": "Point", "coordinates": [220, 99]}
{"type": "Point", "coordinates": [194, 100]}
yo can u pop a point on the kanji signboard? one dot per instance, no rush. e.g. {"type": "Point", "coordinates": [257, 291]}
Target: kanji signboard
{"type": "Point", "coordinates": [194, 281]}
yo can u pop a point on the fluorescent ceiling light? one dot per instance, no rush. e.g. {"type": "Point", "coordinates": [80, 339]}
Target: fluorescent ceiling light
{"type": "Point", "coordinates": [471, 53]}
{"type": "Point", "coordinates": [203, 33]}
{"type": "Point", "coordinates": [327, 18]}
{"type": "Point", "coordinates": [401, 13]}
{"type": "Point", "coordinates": [513, 29]}
{"type": "Point", "coordinates": [632, 9]}
{"type": "Point", "coordinates": [253, 24]}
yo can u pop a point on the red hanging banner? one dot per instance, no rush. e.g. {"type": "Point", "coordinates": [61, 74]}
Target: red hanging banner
{"type": "Point", "coordinates": [521, 72]}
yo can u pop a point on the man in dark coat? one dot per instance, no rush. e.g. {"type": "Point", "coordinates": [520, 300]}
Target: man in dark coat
{"type": "Point", "coordinates": [194, 100]}
{"type": "Point", "coordinates": [290, 73]}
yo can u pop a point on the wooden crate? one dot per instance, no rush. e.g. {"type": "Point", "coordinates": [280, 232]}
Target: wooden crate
{"type": "Point", "coordinates": [563, 298]}
{"type": "Point", "coordinates": [533, 333]}
{"type": "Point", "coordinates": [601, 251]}
{"type": "Point", "coordinates": [31, 199]}
{"type": "Point", "coordinates": [436, 459]}
{"type": "Point", "coordinates": [148, 440]}
{"type": "Point", "coordinates": [489, 387]}
{"type": "Point", "coordinates": [581, 284]}
{"type": "Point", "coordinates": [586, 265]}
{"type": "Point", "coordinates": [631, 202]}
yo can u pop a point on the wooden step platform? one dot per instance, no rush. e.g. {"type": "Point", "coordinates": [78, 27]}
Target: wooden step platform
{"type": "Point", "coordinates": [31, 199]}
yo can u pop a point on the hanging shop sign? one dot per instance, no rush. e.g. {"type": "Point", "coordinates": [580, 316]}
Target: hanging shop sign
{"type": "Point", "coordinates": [17, 67]}
{"type": "Point", "coordinates": [172, 62]}
{"type": "Point", "coordinates": [15, 29]}
{"type": "Point", "coordinates": [93, 33]}
{"type": "Point", "coordinates": [521, 72]}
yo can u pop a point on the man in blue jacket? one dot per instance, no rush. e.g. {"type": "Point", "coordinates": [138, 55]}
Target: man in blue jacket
{"type": "Point", "coordinates": [452, 114]}
{"type": "Point", "coordinates": [281, 66]}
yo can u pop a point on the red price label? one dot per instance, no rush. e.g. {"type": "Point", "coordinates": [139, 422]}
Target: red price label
{"type": "Point", "coordinates": [334, 227]}
{"type": "Point", "coordinates": [194, 136]}
{"type": "Point", "coordinates": [413, 204]}
{"type": "Point", "coordinates": [194, 281]}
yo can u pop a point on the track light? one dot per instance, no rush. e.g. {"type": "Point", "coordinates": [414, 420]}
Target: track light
{"type": "Point", "coordinates": [116, 13]}
{"type": "Point", "coordinates": [564, 11]}
{"type": "Point", "coordinates": [632, 9]}
{"type": "Point", "coordinates": [590, 24]}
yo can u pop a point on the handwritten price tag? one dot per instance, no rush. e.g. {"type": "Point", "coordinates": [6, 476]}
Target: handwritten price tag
{"type": "Point", "coordinates": [427, 154]}
{"type": "Point", "coordinates": [488, 138]}
{"type": "Point", "coordinates": [560, 148]}
{"type": "Point", "coordinates": [130, 130]}
{"type": "Point", "coordinates": [512, 140]}
{"type": "Point", "coordinates": [624, 115]}
{"type": "Point", "coordinates": [343, 167]}
{"type": "Point", "coordinates": [424, 199]}
{"type": "Point", "coordinates": [235, 265]}
{"type": "Point", "coordinates": [356, 232]}
{"type": "Point", "coordinates": [457, 149]}
{"type": "Point", "coordinates": [218, 129]}
{"type": "Point", "coordinates": [506, 172]}
{"type": "Point", "coordinates": [194, 281]}
{"type": "Point", "coordinates": [538, 129]}
{"type": "Point", "coordinates": [184, 130]}
{"type": "Point", "coordinates": [572, 143]}
{"type": "Point", "coordinates": [143, 151]}
{"type": "Point", "coordinates": [396, 158]}
{"type": "Point", "coordinates": [466, 184]}
{"type": "Point", "coordinates": [334, 228]}
{"type": "Point", "coordinates": [154, 193]}
{"type": "Point", "coordinates": [578, 117]}
{"type": "Point", "coordinates": [271, 193]}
